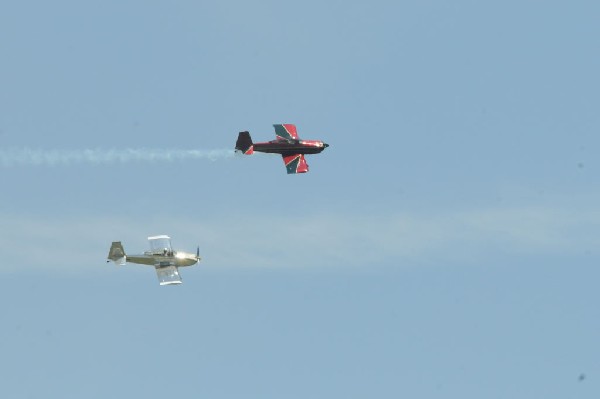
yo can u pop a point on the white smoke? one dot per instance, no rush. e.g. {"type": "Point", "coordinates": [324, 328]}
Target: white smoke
{"type": "Point", "coordinates": [38, 157]}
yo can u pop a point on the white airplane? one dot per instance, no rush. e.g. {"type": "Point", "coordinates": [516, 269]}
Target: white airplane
{"type": "Point", "coordinates": [164, 259]}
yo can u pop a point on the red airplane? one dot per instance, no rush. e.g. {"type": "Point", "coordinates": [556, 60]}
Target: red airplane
{"type": "Point", "coordinates": [287, 143]}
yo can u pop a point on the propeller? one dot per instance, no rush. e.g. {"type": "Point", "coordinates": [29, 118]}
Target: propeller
{"type": "Point", "coordinates": [198, 253]}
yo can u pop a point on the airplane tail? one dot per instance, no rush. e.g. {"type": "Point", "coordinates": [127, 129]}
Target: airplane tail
{"type": "Point", "coordinates": [244, 143]}
{"type": "Point", "coordinates": [117, 253]}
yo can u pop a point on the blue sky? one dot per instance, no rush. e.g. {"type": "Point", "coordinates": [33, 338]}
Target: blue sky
{"type": "Point", "coordinates": [443, 246]}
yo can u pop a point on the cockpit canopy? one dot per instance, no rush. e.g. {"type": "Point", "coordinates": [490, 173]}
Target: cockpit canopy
{"type": "Point", "coordinates": [279, 140]}
{"type": "Point", "coordinates": [160, 245]}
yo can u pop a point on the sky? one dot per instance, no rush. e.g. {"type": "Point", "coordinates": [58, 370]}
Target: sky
{"type": "Point", "coordinates": [445, 244]}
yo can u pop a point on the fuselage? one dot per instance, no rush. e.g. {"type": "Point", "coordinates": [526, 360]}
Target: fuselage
{"type": "Point", "coordinates": [291, 147]}
{"type": "Point", "coordinates": [176, 258]}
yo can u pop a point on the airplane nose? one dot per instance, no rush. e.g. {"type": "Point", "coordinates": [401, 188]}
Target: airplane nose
{"type": "Point", "coordinates": [325, 145]}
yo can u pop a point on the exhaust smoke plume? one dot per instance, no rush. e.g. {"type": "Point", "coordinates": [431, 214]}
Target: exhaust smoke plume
{"type": "Point", "coordinates": [37, 157]}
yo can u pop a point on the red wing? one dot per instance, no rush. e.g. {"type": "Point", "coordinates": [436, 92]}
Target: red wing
{"type": "Point", "coordinates": [295, 163]}
{"type": "Point", "coordinates": [286, 131]}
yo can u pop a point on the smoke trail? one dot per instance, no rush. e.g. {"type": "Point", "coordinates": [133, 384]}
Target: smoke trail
{"type": "Point", "coordinates": [37, 157]}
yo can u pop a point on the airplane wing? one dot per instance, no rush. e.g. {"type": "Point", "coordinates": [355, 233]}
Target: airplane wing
{"type": "Point", "coordinates": [295, 163]}
{"type": "Point", "coordinates": [286, 131]}
{"type": "Point", "coordinates": [168, 275]}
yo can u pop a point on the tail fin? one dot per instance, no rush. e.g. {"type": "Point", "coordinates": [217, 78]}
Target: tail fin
{"type": "Point", "coordinates": [244, 143]}
{"type": "Point", "coordinates": [117, 253]}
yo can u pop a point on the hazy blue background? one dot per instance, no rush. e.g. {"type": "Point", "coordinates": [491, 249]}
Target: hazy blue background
{"type": "Point", "coordinates": [445, 245]}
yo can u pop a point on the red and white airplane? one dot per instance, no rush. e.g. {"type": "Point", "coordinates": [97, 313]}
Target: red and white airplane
{"type": "Point", "coordinates": [287, 143]}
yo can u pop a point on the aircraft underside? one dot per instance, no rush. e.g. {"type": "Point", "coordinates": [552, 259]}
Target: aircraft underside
{"type": "Point", "coordinates": [286, 149]}
{"type": "Point", "coordinates": [160, 261]}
